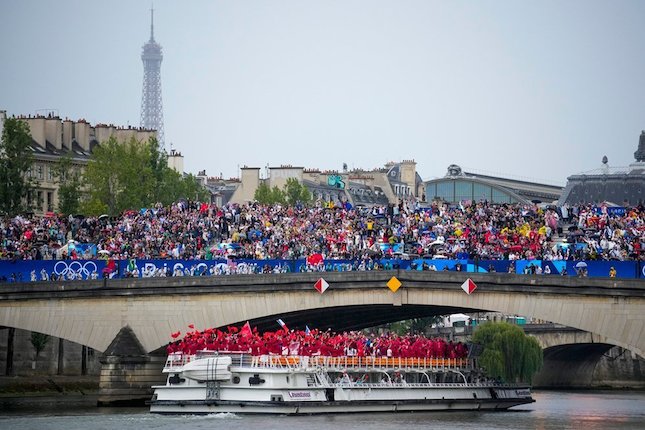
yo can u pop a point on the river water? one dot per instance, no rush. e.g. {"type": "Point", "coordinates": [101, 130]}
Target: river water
{"type": "Point", "coordinates": [553, 410]}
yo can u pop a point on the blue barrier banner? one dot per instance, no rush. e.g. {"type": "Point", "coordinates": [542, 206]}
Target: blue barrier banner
{"type": "Point", "coordinates": [40, 270]}
{"type": "Point", "coordinates": [527, 266]}
{"type": "Point", "coordinates": [439, 264]}
{"type": "Point", "coordinates": [556, 267]}
{"type": "Point", "coordinates": [624, 269]}
{"type": "Point", "coordinates": [485, 266]}
{"type": "Point", "coordinates": [43, 270]}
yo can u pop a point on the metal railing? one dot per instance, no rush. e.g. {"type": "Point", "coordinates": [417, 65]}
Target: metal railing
{"type": "Point", "coordinates": [176, 361]}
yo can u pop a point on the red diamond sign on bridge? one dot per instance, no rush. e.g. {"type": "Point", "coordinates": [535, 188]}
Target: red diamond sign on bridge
{"type": "Point", "coordinates": [468, 286]}
{"type": "Point", "coordinates": [321, 285]}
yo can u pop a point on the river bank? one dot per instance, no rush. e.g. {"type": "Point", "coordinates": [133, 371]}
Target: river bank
{"type": "Point", "coordinates": [48, 385]}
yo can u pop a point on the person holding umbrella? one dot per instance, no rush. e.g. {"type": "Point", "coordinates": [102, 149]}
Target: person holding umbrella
{"type": "Point", "coordinates": [581, 268]}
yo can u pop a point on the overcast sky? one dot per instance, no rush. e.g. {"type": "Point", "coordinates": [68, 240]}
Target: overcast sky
{"type": "Point", "coordinates": [539, 89]}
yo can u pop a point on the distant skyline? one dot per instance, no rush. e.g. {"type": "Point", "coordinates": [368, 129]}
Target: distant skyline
{"type": "Point", "coordinates": [534, 90]}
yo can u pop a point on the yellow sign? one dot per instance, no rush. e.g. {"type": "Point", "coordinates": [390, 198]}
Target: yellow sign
{"type": "Point", "coordinates": [393, 284]}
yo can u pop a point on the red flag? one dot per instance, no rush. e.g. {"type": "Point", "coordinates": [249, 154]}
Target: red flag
{"type": "Point", "coordinates": [191, 325]}
{"type": "Point", "coordinates": [246, 330]}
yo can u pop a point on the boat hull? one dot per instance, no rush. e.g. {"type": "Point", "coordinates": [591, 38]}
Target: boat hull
{"type": "Point", "coordinates": [356, 400]}
{"type": "Point", "coordinates": [326, 407]}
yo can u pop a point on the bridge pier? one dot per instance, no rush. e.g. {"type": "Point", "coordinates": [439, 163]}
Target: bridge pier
{"type": "Point", "coordinates": [128, 372]}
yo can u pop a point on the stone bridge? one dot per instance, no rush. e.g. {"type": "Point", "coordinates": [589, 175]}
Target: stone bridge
{"type": "Point", "coordinates": [134, 317]}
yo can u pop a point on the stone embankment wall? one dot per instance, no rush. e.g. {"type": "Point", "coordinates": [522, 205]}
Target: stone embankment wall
{"type": "Point", "coordinates": [591, 366]}
{"type": "Point", "coordinates": [619, 368]}
{"type": "Point", "coordinates": [57, 358]}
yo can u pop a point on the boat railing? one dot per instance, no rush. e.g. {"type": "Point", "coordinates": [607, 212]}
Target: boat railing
{"type": "Point", "coordinates": [391, 362]}
{"type": "Point", "coordinates": [396, 384]}
{"type": "Point", "coordinates": [357, 384]}
{"type": "Point", "coordinates": [176, 361]}
{"type": "Point", "coordinates": [345, 362]}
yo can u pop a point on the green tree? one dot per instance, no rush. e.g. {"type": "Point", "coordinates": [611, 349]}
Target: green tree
{"type": "Point", "coordinates": [277, 195]}
{"type": "Point", "coordinates": [170, 185]}
{"type": "Point", "coordinates": [133, 175]}
{"type": "Point", "coordinates": [269, 196]}
{"type": "Point", "coordinates": [69, 185]}
{"type": "Point", "coordinates": [263, 194]}
{"type": "Point", "coordinates": [175, 186]}
{"type": "Point", "coordinates": [295, 192]}
{"type": "Point", "coordinates": [158, 162]}
{"type": "Point", "coordinates": [16, 160]}
{"type": "Point", "coordinates": [39, 342]}
{"type": "Point", "coordinates": [118, 177]}
{"type": "Point", "coordinates": [509, 354]}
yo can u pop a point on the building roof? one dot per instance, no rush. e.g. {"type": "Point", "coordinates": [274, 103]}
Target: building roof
{"type": "Point", "coordinates": [618, 185]}
{"type": "Point", "coordinates": [527, 189]}
{"type": "Point", "coordinates": [517, 190]}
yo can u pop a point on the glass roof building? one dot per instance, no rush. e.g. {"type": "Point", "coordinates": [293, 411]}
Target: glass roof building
{"type": "Point", "coordinates": [459, 186]}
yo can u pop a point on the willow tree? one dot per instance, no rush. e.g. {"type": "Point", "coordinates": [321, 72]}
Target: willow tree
{"type": "Point", "coordinates": [508, 353]}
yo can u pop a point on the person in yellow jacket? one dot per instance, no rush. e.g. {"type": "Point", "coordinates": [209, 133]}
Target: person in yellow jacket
{"type": "Point", "coordinates": [612, 272]}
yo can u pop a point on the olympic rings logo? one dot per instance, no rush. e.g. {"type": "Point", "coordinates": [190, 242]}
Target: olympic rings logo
{"type": "Point", "coordinates": [75, 269]}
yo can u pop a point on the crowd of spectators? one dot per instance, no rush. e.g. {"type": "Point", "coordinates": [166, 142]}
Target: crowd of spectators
{"type": "Point", "coordinates": [315, 342]}
{"type": "Point", "coordinates": [199, 231]}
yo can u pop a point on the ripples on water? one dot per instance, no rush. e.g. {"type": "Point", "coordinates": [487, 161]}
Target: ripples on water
{"type": "Point", "coordinates": [553, 410]}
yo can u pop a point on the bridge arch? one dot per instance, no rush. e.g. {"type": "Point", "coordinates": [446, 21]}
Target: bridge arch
{"type": "Point", "coordinates": [571, 365]}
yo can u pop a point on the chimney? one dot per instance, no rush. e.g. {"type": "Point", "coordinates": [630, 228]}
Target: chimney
{"type": "Point", "coordinates": [82, 134]}
{"type": "Point", "coordinates": [54, 132]}
{"type": "Point", "coordinates": [37, 129]}
{"type": "Point", "coordinates": [68, 132]}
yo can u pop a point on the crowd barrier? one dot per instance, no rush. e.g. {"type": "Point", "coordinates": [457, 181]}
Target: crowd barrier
{"type": "Point", "coordinates": [39, 270]}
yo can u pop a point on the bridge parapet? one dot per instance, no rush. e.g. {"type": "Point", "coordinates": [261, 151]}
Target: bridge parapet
{"type": "Point", "coordinates": [305, 281]}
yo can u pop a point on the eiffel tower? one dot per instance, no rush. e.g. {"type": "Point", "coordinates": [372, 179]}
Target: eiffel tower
{"type": "Point", "coordinates": [151, 104]}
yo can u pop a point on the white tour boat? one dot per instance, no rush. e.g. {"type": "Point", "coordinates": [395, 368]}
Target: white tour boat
{"type": "Point", "coordinates": [212, 382]}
